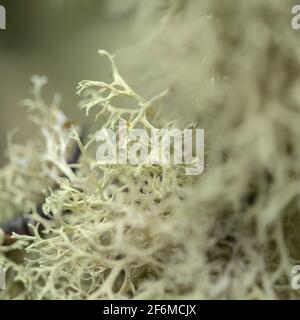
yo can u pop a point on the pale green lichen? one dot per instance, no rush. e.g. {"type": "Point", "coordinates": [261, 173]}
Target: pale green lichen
{"type": "Point", "coordinates": [151, 232]}
{"type": "Point", "coordinates": [34, 167]}
{"type": "Point", "coordinates": [109, 238]}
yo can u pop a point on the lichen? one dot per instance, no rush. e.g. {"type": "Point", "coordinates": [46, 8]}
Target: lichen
{"type": "Point", "coordinates": [151, 232]}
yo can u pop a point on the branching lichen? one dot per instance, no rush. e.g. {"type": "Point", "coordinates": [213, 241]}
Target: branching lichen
{"type": "Point", "coordinates": [104, 220]}
{"type": "Point", "coordinates": [149, 231]}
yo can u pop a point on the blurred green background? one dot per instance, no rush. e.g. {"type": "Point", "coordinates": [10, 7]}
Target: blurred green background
{"type": "Point", "coordinates": [58, 39]}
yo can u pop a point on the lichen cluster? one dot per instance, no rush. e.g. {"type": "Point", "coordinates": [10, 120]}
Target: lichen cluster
{"type": "Point", "coordinates": [150, 232]}
{"type": "Point", "coordinates": [34, 167]}
{"type": "Point", "coordinates": [102, 226]}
